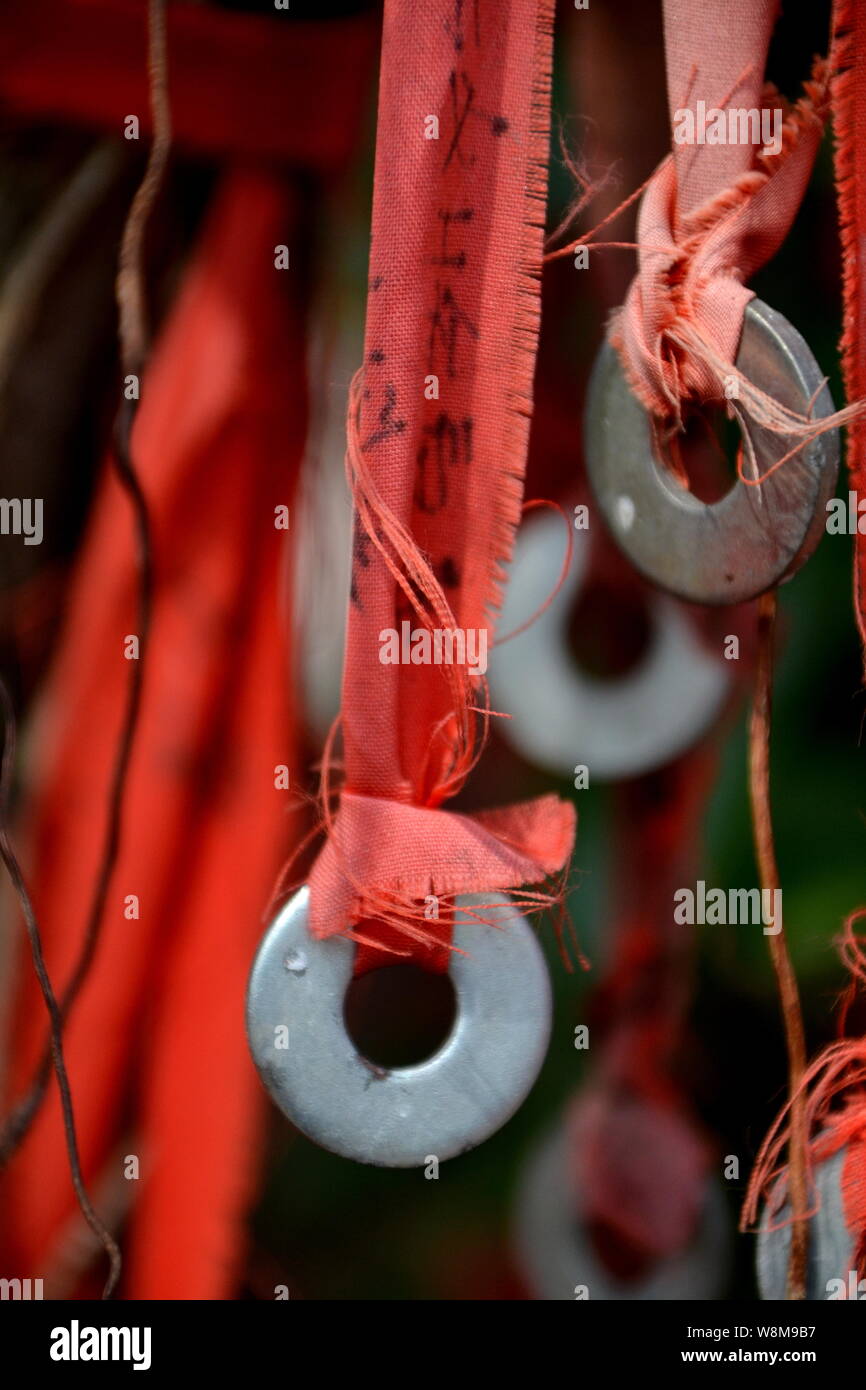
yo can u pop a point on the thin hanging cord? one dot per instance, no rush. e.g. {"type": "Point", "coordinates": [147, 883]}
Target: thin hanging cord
{"type": "Point", "coordinates": [130, 288]}
{"type": "Point", "coordinates": [133, 351]}
{"type": "Point", "coordinates": [759, 795]}
{"type": "Point", "coordinates": [7, 772]}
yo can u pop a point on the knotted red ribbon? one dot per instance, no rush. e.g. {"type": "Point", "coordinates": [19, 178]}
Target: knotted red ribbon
{"type": "Point", "coordinates": [383, 855]}
{"type": "Point", "coordinates": [438, 427]}
{"type": "Point", "coordinates": [714, 211]}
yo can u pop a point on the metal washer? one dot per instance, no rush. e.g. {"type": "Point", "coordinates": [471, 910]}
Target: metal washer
{"type": "Point", "coordinates": [562, 716]}
{"type": "Point", "coordinates": [831, 1253]}
{"type": "Point", "coordinates": [754, 537]}
{"type": "Point", "coordinates": [555, 1254]}
{"type": "Point", "coordinates": [402, 1117]}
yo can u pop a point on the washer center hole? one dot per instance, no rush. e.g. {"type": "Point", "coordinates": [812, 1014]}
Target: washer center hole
{"type": "Point", "coordinates": [707, 452]}
{"type": "Point", "coordinates": [609, 630]}
{"type": "Point", "coordinates": [399, 1015]}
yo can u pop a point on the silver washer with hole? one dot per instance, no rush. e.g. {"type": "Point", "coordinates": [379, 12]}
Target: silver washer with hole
{"type": "Point", "coordinates": [555, 1254]}
{"type": "Point", "coordinates": [398, 1118]}
{"type": "Point", "coordinates": [754, 537]}
{"type": "Point", "coordinates": [831, 1252]}
{"type": "Point", "coordinates": [562, 716]}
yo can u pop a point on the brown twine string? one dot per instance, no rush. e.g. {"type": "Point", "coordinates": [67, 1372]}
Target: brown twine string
{"type": "Point", "coordinates": [130, 288]}
{"type": "Point", "coordinates": [13, 868]}
{"type": "Point", "coordinates": [133, 340]}
{"type": "Point", "coordinates": [765, 851]}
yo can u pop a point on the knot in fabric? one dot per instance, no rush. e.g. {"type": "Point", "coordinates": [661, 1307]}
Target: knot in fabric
{"type": "Point", "coordinates": [678, 331]}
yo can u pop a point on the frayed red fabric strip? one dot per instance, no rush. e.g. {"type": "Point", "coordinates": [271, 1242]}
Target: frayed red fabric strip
{"type": "Point", "coordinates": [437, 436]}
{"type": "Point", "coordinates": [678, 331]}
{"type": "Point", "coordinates": [242, 85]}
{"type": "Point", "coordinates": [716, 209]}
{"type": "Point", "coordinates": [641, 1160]}
{"type": "Point", "coordinates": [383, 859]}
{"type": "Point", "coordinates": [848, 89]}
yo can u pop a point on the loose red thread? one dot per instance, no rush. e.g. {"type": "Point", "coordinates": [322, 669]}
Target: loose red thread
{"type": "Point", "coordinates": [830, 1101]}
{"type": "Point", "coordinates": [563, 575]}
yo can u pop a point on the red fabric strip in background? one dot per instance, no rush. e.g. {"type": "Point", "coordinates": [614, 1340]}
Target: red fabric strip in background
{"type": "Point", "coordinates": [155, 1045]}
{"type": "Point", "coordinates": [241, 85]}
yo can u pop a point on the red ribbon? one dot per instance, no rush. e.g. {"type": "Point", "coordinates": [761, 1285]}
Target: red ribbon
{"type": "Point", "coordinates": [640, 1160]}
{"type": "Point", "coordinates": [715, 210]}
{"type": "Point", "coordinates": [241, 85]}
{"type": "Point", "coordinates": [849, 120]}
{"type": "Point", "coordinates": [437, 447]}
